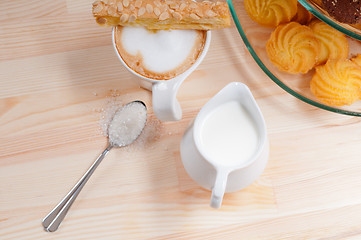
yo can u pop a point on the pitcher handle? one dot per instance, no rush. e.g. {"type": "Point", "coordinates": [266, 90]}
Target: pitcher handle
{"type": "Point", "coordinates": [165, 104]}
{"type": "Point", "coordinates": [219, 189]}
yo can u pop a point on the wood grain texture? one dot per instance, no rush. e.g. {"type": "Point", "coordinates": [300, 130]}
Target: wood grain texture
{"type": "Point", "coordinates": [58, 71]}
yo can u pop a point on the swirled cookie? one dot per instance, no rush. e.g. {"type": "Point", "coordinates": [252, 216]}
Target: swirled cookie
{"type": "Point", "coordinates": [337, 82]}
{"type": "Point", "coordinates": [293, 48]}
{"type": "Point", "coordinates": [303, 16]}
{"type": "Point", "coordinates": [271, 13]}
{"type": "Point", "coordinates": [333, 44]}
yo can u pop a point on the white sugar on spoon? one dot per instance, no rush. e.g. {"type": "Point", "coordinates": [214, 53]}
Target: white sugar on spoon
{"type": "Point", "coordinates": [125, 127]}
{"type": "Point", "coordinates": [127, 124]}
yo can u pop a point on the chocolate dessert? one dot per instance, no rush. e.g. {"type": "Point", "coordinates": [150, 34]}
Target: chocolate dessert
{"type": "Point", "coordinates": [346, 11]}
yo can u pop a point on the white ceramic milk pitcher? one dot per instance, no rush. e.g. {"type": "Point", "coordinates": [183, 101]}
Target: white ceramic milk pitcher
{"type": "Point", "coordinates": [218, 173]}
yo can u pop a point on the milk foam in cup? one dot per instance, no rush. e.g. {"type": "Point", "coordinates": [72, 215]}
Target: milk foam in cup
{"type": "Point", "coordinates": [161, 61]}
{"type": "Point", "coordinates": [159, 55]}
{"type": "Point", "coordinates": [225, 149]}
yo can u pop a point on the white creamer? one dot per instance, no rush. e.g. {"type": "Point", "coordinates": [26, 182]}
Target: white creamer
{"type": "Point", "coordinates": [229, 135]}
{"type": "Point", "coordinates": [161, 51]}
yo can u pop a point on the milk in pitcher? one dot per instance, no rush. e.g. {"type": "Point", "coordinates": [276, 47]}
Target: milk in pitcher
{"type": "Point", "coordinates": [229, 135]}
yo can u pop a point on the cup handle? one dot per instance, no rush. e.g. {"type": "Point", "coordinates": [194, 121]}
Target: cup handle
{"type": "Point", "coordinates": [219, 189]}
{"type": "Point", "coordinates": [164, 96]}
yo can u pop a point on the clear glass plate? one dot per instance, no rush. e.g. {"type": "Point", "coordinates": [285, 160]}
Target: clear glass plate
{"type": "Point", "coordinates": [351, 30]}
{"type": "Point", "coordinates": [255, 37]}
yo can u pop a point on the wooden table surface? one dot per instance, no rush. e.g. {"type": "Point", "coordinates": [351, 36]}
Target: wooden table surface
{"type": "Point", "coordinates": [58, 72]}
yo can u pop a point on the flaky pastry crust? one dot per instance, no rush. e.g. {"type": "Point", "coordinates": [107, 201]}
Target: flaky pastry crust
{"type": "Point", "coordinates": [163, 14]}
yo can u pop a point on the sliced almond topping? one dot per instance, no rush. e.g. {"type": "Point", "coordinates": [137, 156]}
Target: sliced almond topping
{"type": "Point", "coordinates": [101, 20]}
{"type": "Point", "coordinates": [210, 13]}
{"type": "Point", "coordinates": [125, 3]}
{"type": "Point", "coordinates": [98, 8]}
{"type": "Point", "coordinates": [120, 6]}
{"type": "Point", "coordinates": [141, 11]}
{"type": "Point", "coordinates": [174, 5]}
{"type": "Point", "coordinates": [131, 7]}
{"type": "Point", "coordinates": [105, 1]}
{"type": "Point", "coordinates": [177, 15]}
{"type": "Point", "coordinates": [157, 3]}
{"type": "Point", "coordinates": [111, 2]}
{"type": "Point", "coordinates": [132, 17]}
{"type": "Point", "coordinates": [156, 11]}
{"type": "Point", "coordinates": [95, 3]}
{"type": "Point", "coordinates": [138, 3]}
{"type": "Point", "coordinates": [199, 13]}
{"type": "Point", "coordinates": [149, 8]}
{"type": "Point", "coordinates": [164, 16]}
{"type": "Point", "coordinates": [182, 6]}
{"type": "Point", "coordinates": [193, 5]}
{"type": "Point", "coordinates": [194, 16]}
{"type": "Point", "coordinates": [112, 11]}
{"type": "Point", "coordinates": [164, 8]}
{"type": "Point", "coordinates": [124, 18]}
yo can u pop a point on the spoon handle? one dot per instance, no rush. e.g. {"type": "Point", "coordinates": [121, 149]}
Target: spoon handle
{"type": "Point", "coordinates": [52, 221]}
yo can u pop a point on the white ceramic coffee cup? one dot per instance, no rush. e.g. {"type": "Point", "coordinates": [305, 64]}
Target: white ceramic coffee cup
{"type": "Point", "coordinates": [164, 92]}
{"type": "Point", "coordinates": [216, 176]}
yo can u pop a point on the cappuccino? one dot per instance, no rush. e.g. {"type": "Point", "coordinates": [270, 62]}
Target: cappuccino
{"type": "Point", "coordinates": [159, 55]}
